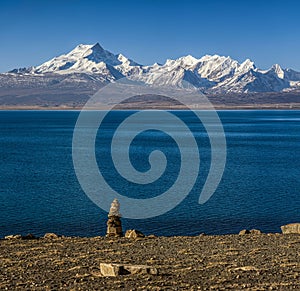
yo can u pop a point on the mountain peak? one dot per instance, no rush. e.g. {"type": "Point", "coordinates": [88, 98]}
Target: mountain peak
{"type": "Point", "coordinates": [212, 73]}
{"type": "Point", "coordinates": [83, 58]}
{"type": "Point", "coordinates": [278, 71]}
{"type": "Point", "coordinates": [125, 61]}
{"type": "Point", "coordinates": [247, 65]}
{"type": "Point", "coordinates": [97, 54]}
{"type": "Point", "coordinates": [97, 46]}
{"type": "Point", "coordinates": [84, 47]}
{"type": "Point", "coordinates": [189, 60]}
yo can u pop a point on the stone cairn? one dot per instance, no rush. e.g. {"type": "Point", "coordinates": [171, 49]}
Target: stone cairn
{"type": "Point", "coordinates": [114, 226]}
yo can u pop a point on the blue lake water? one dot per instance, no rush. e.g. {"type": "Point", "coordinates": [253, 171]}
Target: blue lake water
{"type": "Point", "coordinates": [39, 191]}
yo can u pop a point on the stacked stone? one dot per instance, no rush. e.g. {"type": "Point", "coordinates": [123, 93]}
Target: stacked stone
{"type": "Point", "coordinates": [114, 225]}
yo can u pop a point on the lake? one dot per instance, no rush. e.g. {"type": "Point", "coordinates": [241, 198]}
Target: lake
{"type": "Point", "coordinates": [260, 187]}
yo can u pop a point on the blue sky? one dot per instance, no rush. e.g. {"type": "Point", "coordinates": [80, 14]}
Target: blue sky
{"type": "Point", "coordinates": [147, 31]}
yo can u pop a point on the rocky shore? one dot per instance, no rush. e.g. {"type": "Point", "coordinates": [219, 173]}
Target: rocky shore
{"type": "Point", "coordinates": [251, 261]}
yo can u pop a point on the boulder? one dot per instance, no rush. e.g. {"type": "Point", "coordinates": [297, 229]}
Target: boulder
{"type": "Point", "coordinates": [29, 236]}
{"type": "Point", "coordinates": [247, 231]}
{"type": "Point", "coordinates": [50, 235]}
{"type": "Point", "coordinates": [291, 228]}
{"type": "Point", "coordinates": [113, 270]}
{"type": "Point", "coordinates": [13, 236]}
{"type": "Point", "coordinates": [244, 231]}
{"type": "Point", "coordinates": [255, 231]}
{"type": "Point", "coordinates": [132, 233]}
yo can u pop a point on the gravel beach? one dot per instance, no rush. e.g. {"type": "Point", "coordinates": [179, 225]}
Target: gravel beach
{"type": "Point", "coordinates": [248, 262]}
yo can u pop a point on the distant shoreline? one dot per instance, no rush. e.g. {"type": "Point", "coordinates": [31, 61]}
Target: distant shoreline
{"type": "Point", "coordinates": [283, 106]}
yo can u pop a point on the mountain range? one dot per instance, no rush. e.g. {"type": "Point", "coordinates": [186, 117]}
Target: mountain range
{"type": "Point", "coordinates": [82, 71]}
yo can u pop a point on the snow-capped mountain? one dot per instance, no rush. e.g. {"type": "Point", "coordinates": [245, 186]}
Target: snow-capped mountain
{"type": "Point", "coordinates": [87, 59]}
{"type": "Point", "coordinates": [211, 73]}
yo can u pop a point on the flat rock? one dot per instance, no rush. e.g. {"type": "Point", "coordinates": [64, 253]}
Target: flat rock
{"type": "Point", "coordinates": [291, 228]}
{"type": "Point", "coordinates": [13, 236]}
{"type": "Point", "coordinates": [113, 270]}
{"type": "Point", "coordinates": [246, 268]}
{"type": "Point", "coordinates": [133, 233]}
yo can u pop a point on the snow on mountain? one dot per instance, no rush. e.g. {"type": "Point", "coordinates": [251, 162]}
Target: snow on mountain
{"type": "Point", "coordinates": [278, 71]}
{"type": "Point", "coordinates": [89, 59]}
{"type": "Point", "coordinates": [172, 73]}
{"type": "Point", "coordinates": [216, 68]}
{"type": "Point", "coordinates": [210, 73]}
{"type": "Point", "coordinates": [292, 75]}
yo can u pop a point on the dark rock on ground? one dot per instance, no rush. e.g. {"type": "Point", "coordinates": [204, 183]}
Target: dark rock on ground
{"type": "Point", "coordinates": [29, 236]}
{"type": "Point", "coordinates": [252, 231]}
{"type": "Point", "coordinates": [244, 231]}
